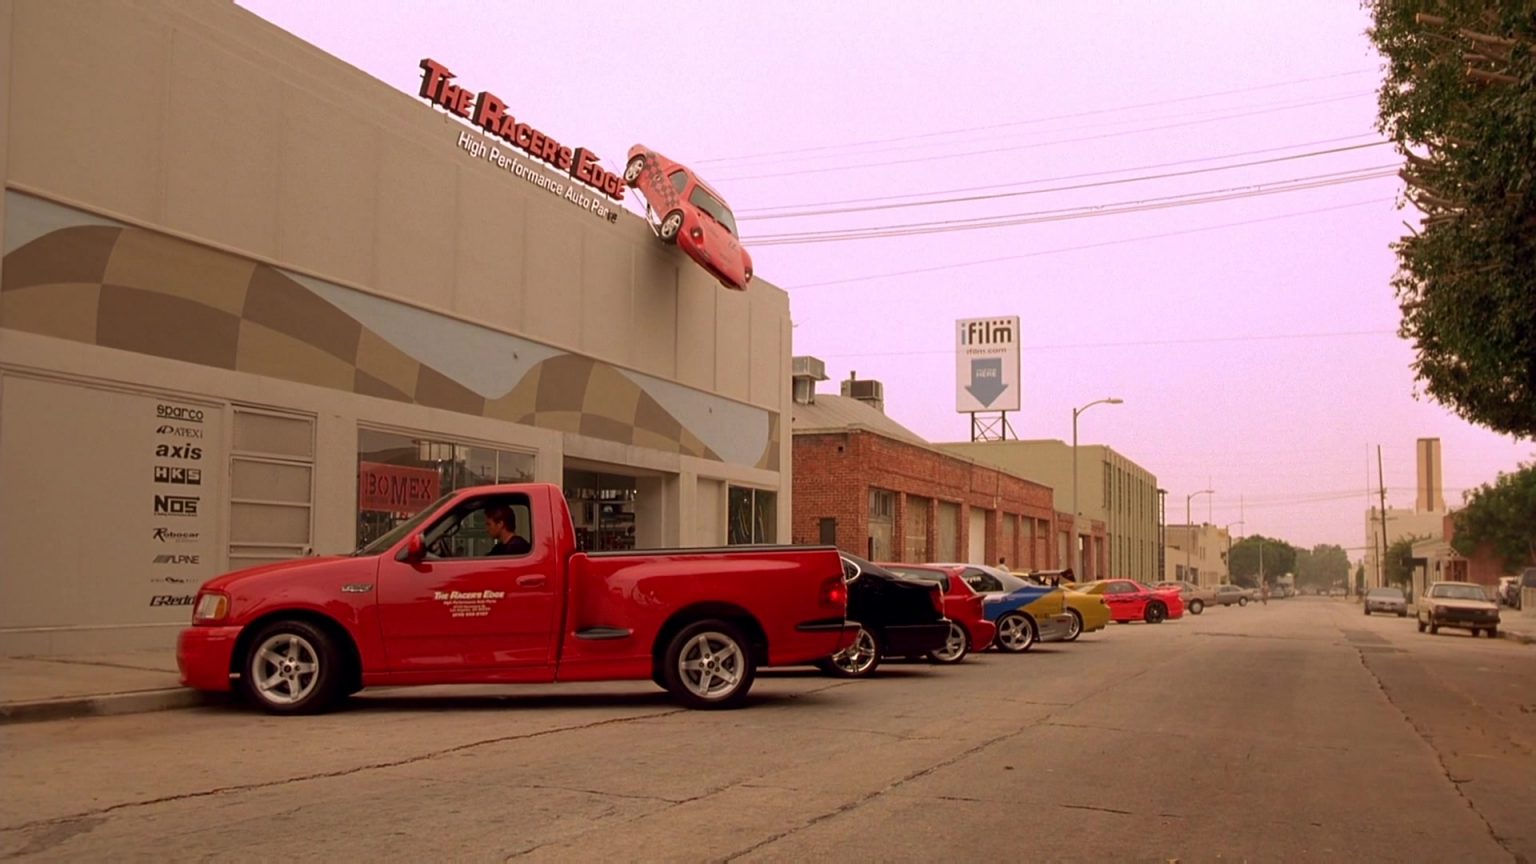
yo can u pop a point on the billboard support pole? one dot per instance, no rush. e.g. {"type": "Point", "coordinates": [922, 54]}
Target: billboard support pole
{"type": "Point", "coordinates": [991, 426]}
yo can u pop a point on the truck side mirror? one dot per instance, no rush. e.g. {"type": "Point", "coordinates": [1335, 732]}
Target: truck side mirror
{"type": "Point", "coordinates": [415, 548]}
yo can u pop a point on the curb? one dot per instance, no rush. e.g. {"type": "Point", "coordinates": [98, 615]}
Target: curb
{"type": "Point", "coordinates": [102, 705]}
{"type": "Point", "coordinates": [1522, 638]}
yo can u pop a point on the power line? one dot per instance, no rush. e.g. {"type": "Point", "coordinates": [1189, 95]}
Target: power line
{"type": "Point", "coordinates": [1086, 246]}
{"type": "Point", "coordinates": [945, 226]}
{"type": "Point", "coordinates": [1035, 145]}
{"type": "Point", "coordinates": [1037, 120]}
{"type": "Point", "coordinates": [1202, 340]}
{"type": "Point", "coordinates": [1074, 187]}
{"type": "Point", "coordinates": [1057, 179]}
{"type": "Point", "coordinates": [1214, 114]}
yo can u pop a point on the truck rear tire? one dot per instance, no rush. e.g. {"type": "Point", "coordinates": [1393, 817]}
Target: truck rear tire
{"type": "Point", "coordinates": [708, 665]}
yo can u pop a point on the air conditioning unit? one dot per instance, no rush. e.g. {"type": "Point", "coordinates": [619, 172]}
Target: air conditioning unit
{"type": "Point", "coordinates": [865, 391]}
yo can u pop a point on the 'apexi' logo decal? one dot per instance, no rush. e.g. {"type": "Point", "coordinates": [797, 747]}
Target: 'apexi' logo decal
{"type": "Point", "coordinates": [486, 110]}
{"type": "Point", "coordinates": [178, 431]}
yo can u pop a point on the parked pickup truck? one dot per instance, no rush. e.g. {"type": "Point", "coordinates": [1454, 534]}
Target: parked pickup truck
{"type": "Point", "coordinates": [439, 600]}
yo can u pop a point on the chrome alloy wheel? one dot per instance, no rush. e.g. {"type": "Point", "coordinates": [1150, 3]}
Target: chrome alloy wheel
{"type": "Point", "coordinates": [1075, 628]}
{"type": "Point", "coordinates": [285, 668]}
{"type": "Point", "coordinates": [671, 225]}
{"type": "Point", "coordinates": [1014, 633]}
{"type": "Point", "coordinates": [633, 169]}
{"type": "Point", "coordinates": [711, 665]}
{"type": "Point", "coordinates": [857, 658]}
{"type": "Point", "coordinates": [954, 645]}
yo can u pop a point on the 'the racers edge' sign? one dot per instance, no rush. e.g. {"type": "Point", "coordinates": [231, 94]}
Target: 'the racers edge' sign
{"type": "Point", "coordinates": [489, 112]}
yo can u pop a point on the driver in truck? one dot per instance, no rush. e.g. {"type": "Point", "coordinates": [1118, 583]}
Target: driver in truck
{"type": "Point", "coordinates": [498, 524]}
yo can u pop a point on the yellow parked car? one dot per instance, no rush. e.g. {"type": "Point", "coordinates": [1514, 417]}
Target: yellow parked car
{"type": "Point", "coordinates": [1089, 612]}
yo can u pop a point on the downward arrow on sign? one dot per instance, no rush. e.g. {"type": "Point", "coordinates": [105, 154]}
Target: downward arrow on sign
{"type": "Point", "coordinates": [987, 380]}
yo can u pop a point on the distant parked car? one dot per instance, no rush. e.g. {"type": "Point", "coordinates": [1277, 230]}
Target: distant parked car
{"type": "Point", "coordinates": [898, 617]}
{"type": "Point", "coordinates": [1526, 579]}
{"type": "Point", "coordinates": [1386, 600]}
{"type": "Point", "coordinates": [1228, 595]}
{"type": "Point", "coordinates": [1130, 600]}
{"type": "Point", "coordinates": [1458, 604]}
{"type": "Point", "coordinates": [1195, 597]}
{"type": "Point", "coordinates": [1023, 613]}
{"type": "Point", "coordinates": [683, 210]}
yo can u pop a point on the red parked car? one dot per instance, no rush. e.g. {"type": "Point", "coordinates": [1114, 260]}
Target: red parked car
{"type": "Point", "coordinates": [682, 209]}
{"type": "Point", "coordinates": [965, 609]}
{"type": "Point", "coordinates": [1130, 600]}
{"type": "Point", "coordinates": [440, 600]}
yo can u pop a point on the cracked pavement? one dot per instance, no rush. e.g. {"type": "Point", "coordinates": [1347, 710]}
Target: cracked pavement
{"type": "Point", "coordinates": [1297, 731]}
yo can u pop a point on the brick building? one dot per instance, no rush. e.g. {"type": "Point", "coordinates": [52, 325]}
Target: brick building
{"type": "Point", "coordinates": [869, 485]}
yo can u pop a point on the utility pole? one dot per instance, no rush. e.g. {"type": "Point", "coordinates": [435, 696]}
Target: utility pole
{"type": "Point", "coordinates": [1381, 569]}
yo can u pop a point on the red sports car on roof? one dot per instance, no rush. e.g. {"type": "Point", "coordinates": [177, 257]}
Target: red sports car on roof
{"type": "Point", "coordinates": [1130, 600]}
{"type": "Point", "coordinates": [682, 209]}
{"type": "Point", "coordinates": [969, 628]}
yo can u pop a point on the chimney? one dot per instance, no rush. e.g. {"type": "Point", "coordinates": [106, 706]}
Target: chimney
{"type": "Point", "coordinates": [871, 393]}
{"type": "Point", "coordinates": [1431, 496]}
{"type": "Point", "coordinates": [804, 373]}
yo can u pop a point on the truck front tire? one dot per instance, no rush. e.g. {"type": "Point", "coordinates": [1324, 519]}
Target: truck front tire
{"type": "Point", "coordinates": [708, 665]}
{"type": "Point", "coordinates": [292, 667]}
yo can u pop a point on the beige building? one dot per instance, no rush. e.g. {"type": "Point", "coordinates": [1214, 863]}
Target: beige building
{"type": "Point", "coordinates": [1425, 521]}
{"type": "Point", "coordinates": [1110, 489]}
{"type": "Point", "coordinates": [257, 304]}
{"type": "Point", "coordinates": [1199, 554]}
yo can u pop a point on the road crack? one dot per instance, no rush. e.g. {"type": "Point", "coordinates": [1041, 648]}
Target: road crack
{"type": "Point", "coordinates": [343, 772]}
{"type": "Point", "coordinates": [1445, 770]}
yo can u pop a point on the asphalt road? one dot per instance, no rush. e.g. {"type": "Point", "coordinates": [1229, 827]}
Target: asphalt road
{"type": "Point", "coordinates": [1298, 731]}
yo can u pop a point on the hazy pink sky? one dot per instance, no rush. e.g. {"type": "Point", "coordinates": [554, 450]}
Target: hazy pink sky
{"type": "Point", "coordinates": [1258, 359]}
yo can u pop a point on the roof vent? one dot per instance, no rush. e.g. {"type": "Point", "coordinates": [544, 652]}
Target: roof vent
{"type": "Point", "coordinates": [804, 373]}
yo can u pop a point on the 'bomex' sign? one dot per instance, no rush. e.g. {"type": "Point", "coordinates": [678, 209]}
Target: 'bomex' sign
{"type": "Point", "coordinates": [486, 110]}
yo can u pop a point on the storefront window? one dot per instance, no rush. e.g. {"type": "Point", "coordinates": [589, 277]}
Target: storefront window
{"type": "Point", "coordinates": [602, 509]}
{"type": "Point", "coordinates": [400, 474]}
{"type": "Point", "coordinates": [753, 516]}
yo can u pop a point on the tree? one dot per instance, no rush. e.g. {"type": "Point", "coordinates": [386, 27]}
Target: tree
{"type": "Point", "coordinates": [1459, 100]}
{"type": "Point", "coordinates": [1323, 566]}
{"type": "Point", "coordinates": [1360, 579]}
{"type": "Point", "coordinates": [1279, 559]}
{"type": "Point", "coordinates": [1502, 516]}
{"type": "Point", "coordinates": [1399, 570]}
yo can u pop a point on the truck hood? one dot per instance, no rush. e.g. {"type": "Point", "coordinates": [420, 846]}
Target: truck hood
{"type": "Point", "coordinates": [299, 570]}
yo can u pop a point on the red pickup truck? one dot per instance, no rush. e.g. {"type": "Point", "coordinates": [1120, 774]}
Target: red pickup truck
{"type": "Point", "coordinates": [438, 600]}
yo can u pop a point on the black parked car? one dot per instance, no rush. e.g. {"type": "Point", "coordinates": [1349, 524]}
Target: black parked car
{"type": "Point", "coordinates": [898, 616]}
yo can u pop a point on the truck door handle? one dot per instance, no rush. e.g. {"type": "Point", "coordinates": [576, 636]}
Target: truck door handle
{"type": "Point", "coordinates": [532, 580]}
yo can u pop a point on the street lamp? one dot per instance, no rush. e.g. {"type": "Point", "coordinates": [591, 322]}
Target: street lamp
{"type": "Point", "coordinates": [1077, 564]}
{"type": "Point", "coordinates": [1189, 528]}
{"type": "Point", "coordinates": [1228, 528]}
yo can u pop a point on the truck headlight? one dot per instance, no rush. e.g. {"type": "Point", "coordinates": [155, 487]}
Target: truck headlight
{"type": "Point", "coordinates": [1439, 610]}
{"type": "Point", "coordinates": [210, 607]}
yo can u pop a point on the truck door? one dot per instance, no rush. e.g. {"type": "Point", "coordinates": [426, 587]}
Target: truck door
{"type": "Point", "coordinates": [473, 602]}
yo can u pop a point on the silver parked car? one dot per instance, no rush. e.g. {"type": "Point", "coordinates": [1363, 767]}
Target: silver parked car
{"type": "Point", "coordinates": [1386, 600]}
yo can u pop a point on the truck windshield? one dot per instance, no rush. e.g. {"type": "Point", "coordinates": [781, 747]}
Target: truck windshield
{"type": "Point", "coordinates": [395, 534]}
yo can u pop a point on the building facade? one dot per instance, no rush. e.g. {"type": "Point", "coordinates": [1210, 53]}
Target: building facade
{"type": "Point", "coordinates": [255, 304]}
{"type": "Point", "coordinates": [1425, 521]}
{"type": "Point", "coordinates": [1198, 554]}
{"type": "Point", "coordinates": [872, 487]}
{"type": "Point", "coordinates": [1111, 490]}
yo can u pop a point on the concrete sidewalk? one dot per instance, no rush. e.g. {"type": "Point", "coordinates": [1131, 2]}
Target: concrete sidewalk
{"type": "Point", "coordinates": [1519, 626]}
{"type": "Point", "coordinates": [48, 688]}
